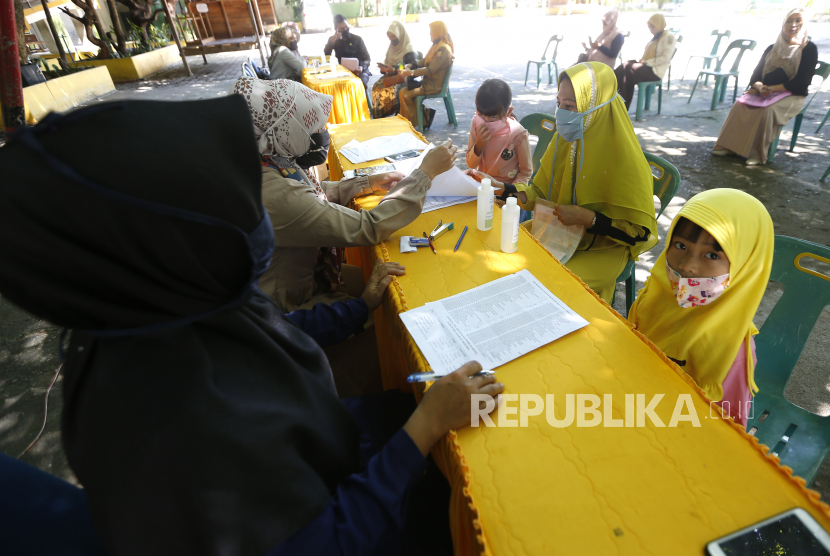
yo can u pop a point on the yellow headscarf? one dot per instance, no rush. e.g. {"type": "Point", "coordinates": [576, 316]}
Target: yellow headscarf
{"type": "Point", "coordinates": [443, 34]}
{"type": "Point", "coordinates": [708, 337]}
{"type": "Point", "coordinates": [616, 180]}
{"type": "Point", "coordinates": [651, 48]}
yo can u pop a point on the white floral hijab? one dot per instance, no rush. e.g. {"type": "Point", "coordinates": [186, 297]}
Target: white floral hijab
{"type": "Point", "coordinates": [285, 114]}
{"type": "Point", "coordinates": [786, 54]}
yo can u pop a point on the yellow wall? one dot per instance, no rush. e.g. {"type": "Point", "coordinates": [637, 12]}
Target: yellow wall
{"type": "Point", "coordinates": [137, 67]}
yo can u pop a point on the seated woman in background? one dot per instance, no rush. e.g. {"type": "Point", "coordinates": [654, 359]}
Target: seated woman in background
{"type": "Point", "coordinates": [310, 219]}
{"type": "Point", "coordinates": [232, 440]}
{"type": "Point", "coordinates": [654, 63]}
{"type": "Point", "coordinates": [433, 69]}
{"type": "Point", "coordinates": [611, 194]}
{"type": "Point", "coordinates": [607, 46]}
{"type": "Point", "coordinates": [400, 51]}
{"type": "Point", "coordinates": [285, 61]}
{"type": "Point", "coordinates": [783, 76]}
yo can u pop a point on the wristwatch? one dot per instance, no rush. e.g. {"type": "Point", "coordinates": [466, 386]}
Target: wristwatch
{"type": "Point", "coordinates": [594, 221]}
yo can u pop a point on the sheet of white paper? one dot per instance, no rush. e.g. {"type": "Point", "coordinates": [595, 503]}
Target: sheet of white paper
{"type": "Point", "coordinates": [452, 183]}
{"type": "Point", "coordinates": [335, 75]}
{"type": "Point", "coordinates": [350, 63]}
{"type": "Point", "coordinates": [492, 324]}
{"type": "Point", "coordinates": [435, 203]}
{"type": "Point", "coordinates": [378, 147]}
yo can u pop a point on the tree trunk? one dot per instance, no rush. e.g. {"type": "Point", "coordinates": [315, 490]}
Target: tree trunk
{"type": "Point", "coordinates": [62, 55]}
{"type": "Point", "coordinates": [120, 39]}
{"type": "Point", "coordinates": [89, 20]}
{"type": "Point", "coordinates": [20, 21]}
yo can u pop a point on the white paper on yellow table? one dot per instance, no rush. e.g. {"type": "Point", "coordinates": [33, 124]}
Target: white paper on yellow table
{"type": "Point", "coordinates": [493, 324]}
{"type": "Point", "coordinates": [453, 187]}
{"type": "Point", "coordinates": [376, 148]}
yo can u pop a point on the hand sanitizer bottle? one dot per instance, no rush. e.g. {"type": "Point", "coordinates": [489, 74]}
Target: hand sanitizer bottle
{"type": "Point", "coordinates": [333, 62]}
{"type": "Point", "coordinates": [484, 220]}
{"type": "Point", "coordinates": [510, 226]}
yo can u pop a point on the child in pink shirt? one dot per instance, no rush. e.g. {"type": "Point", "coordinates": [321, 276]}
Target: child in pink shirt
{"type": "Point", "coordinates": [498, 144]}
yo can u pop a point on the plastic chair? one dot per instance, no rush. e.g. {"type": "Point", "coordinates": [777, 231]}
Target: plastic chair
{"type": "Point", "coordinates": [707, 58]}
{"type": "Point", "coordinates": [800, 438]}
{"type": "Point", "coordinates": [822, 70]}
{"type": "Point", "coordinates": [666, 181]}
{"type": "Point", "coordinates": [445, 94]}
{"type": "Point", "coordinates": [722, 77]}
{"type": "Point", "coordinates": [542, 126]}
{"type": "Point", "coordinates": [646, 88]}
{"type": "Point", "coordinates": [247, 70]}
{"type": "Point", "coordinates": [556, 39]}
{"type": "Point", "coordinates": [619, 54]}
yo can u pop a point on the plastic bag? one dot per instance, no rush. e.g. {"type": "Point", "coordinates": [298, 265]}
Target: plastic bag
{"type": "Point", "coordinates": [557, 238]}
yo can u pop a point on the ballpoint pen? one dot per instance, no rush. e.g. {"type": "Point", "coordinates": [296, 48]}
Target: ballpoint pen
{"type": "Point", "coordinates": [457, 245]}
{"type": "Point", "coordinates": [431, 245]}
{"type": "Point", "coordinates": [425, 377]}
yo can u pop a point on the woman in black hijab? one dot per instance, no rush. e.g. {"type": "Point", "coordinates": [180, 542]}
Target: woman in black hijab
{"type": "Point", "coordinates": [199, 419]}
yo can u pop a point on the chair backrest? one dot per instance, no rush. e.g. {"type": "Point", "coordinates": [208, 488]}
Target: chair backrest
{"type": "Point", "coordinates": [674, 31]}
{"type": "Point", "coordinates": [823, 71]}
{"type": "Point", "coordinates": [801, 438]}
{"type": "Point", "coordinates": [719, 36]}
{"type": "Point", "coordinates": [743, 45]}
{"type": "Point", "coordinates": [556, 39]}
{"type": "Point", "coordinates": [420, 55]}
{"type": "Point", "coordinates": [542, 126]}
{"type": "Point", "coordinates": [666, 180]}
{"type": "Point", "coordinates": [446, 86]}
{"type": "Point", "coordinates": [247, 70]}
{"type": "Point", "coordinates": [679, 40]}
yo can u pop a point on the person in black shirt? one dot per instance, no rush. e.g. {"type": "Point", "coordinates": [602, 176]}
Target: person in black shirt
{"type": "Point", "coordinates": [347, 45]}
{"type": "Point", "coordinates": [781, 79]}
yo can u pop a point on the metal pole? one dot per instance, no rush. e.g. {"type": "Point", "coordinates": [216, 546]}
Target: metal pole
{"type": "Point", "coordinates": [259, 20]}
{"type": "Point", "coordinates": [256, 32]}
{"type": "Point", "coordinates": [175, 34]}
{"type": "Point", "coordinates": [11, 85]}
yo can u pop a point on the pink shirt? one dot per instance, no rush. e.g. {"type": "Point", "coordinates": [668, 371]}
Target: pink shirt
{"type": "Point", "coordinates": [505, 157]}
{"type": "Point", "coordinates": [736, 386]}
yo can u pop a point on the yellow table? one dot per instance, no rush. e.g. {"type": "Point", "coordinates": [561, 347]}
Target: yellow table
{"type": "Point", "coordinates": [348, 95]}
{"type": "Point", "coordinates": [540, 490]}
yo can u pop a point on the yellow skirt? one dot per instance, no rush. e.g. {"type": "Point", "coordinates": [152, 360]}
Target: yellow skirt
{"type": "Point", "coordinates": [599, 269]}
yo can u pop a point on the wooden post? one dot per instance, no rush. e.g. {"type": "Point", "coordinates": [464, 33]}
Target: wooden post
{"type": "Point", "coordinates": [175, 34]}
{"type": "Point", "coordinates": [256, 33]}
{"type": "Point", "coordinates": [225, 15]}
{"type": "Point", "coordinates": [259, 20]}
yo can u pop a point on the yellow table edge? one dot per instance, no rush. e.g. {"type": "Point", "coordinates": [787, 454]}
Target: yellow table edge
{"type": "Point", "coordinates": [450, 441]}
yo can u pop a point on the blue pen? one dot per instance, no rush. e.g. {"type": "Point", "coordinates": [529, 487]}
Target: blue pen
{"type": "Point", "coordinates": [425, 377]}
{"type": "Point", "coordinates": [457, 245]}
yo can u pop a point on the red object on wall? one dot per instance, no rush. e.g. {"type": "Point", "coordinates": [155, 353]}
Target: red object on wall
{"type": "Point", "coordinates": [11, 86]}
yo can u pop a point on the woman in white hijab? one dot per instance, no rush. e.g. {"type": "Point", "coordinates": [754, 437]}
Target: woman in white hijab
{"type": "Point", "coordinates": [777, 93]}
{"type": "Point", "coordinates": [310, 219]}
{"type": "Point", "coordinates": [608, 44]}
{"type": "Point", "coordinates": [400, 52]}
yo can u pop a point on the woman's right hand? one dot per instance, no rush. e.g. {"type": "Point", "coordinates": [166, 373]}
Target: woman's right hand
{"type": "Point", "coordinates": [439, 160]}
{"type": "Point", "coordinates": [446, 405]}
{"type": "Point", "coordinates": [478, 176]}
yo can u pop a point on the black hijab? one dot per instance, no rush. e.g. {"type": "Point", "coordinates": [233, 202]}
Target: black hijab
{"type": "Point", "coordinates": [198, 418]}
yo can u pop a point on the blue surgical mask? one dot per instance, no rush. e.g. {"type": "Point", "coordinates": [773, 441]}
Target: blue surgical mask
{"type": "Point", "coordinates": [570, 127]}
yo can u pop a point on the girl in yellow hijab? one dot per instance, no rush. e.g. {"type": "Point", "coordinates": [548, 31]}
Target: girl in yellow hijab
{"type": "Point", "coordinates": [704, 289]}
{"type": "Point", "coordinates": [595, 170]}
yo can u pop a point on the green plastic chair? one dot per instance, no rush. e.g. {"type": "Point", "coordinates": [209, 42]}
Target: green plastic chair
{"type": "Point", "coordinates": [626, 35]}
{"type": "Point", "coordinates": [666, 182]}
{"type": "Point", "coordinates": [800, 438]}
{"type": "Point", "coordinates": [708, 58]}
{"type": "Point", "coordinates": [556, 39]}
{"type": "Point", "coordinates": [822, 70]}
{"type": "Point", "coordinates": [722, 77]}
{"type": "Point", "coordinates": [445, 94]}
{"type": "Point", "coordinates": [542, 126]}
{"type": "Point", "coordinates": [645, 89]}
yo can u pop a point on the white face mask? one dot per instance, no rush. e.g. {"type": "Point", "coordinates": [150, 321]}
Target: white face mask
{"type": "Point", "coordinates": [695, 292]}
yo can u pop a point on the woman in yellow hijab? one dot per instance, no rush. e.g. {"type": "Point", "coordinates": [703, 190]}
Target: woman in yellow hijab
{"type": "Point", "coordinates": [654, 63]}
{"type": "Point", "coordinates": [433, 70]}
{"type": "Point", "coordinates": [611, 194]}
{"type": "Point", "coordinates": [704, 289]}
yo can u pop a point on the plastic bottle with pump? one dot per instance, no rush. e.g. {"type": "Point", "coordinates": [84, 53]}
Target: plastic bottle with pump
{"type": "Point", "coordinates": [510, 226]}
{"type": "Point", "coordinates": [486, 200]}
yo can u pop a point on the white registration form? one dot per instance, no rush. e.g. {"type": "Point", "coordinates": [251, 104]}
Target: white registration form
{"type": "Point", "coordinates": [435, 203]}
{"type": "Point", "coordinates": [492, 324]}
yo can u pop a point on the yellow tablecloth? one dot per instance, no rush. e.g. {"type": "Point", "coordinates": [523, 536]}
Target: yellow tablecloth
{"type": "Point", "coordinates": [542, 490]}
{"type": "Point", "coordinates": [349, 96]}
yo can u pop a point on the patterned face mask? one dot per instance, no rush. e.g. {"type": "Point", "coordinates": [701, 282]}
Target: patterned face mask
{"type": "Point", "coordinates": [694, 292]}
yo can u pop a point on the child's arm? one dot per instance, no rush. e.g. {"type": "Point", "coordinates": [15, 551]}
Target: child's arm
{"type": "Point", "coordinates": [525, 161]}
{"type": "Point", "coordinates": [473, 159]}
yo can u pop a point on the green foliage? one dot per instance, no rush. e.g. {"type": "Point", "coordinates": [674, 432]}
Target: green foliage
{"type": "Point", "coordinates": [158, 35]}
{"type": "Point", "coordinates": [297, 8]}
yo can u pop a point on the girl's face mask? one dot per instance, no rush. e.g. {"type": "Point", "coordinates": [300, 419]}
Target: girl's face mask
{"type": "Point", "coordinates": [498, 127]}
{"type": "Point", "coordinates": [695, 292]}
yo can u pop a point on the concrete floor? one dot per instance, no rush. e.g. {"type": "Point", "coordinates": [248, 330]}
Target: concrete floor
{"type": "Point", "coordinates": [683, 134]}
